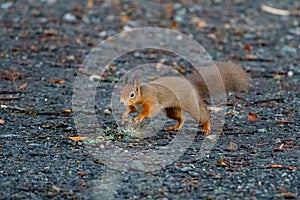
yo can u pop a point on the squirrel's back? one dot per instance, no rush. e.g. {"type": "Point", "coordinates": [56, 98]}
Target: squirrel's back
{"type": "Point", "coordinates": [173, 91]}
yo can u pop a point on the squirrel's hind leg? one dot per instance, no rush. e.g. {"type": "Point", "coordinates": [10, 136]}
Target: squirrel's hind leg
{"type": "Point", "coordinates": [176, 114]}
{"type": "Point", "coordinates": [201, 115]}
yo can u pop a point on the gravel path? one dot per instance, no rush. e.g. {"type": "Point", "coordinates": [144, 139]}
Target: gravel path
{"type": "Point", "coordinates": [43, 45]}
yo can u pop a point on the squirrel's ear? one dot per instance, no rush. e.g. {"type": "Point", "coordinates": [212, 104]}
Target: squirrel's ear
{"type": "Point", "coordinates": [137, 84]}
{"type": "Point", "coordinates": [126, 77]}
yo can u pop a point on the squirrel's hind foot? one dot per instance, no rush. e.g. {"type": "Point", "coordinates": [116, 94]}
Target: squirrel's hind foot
{"type": "Point", "coordinates": [173, 128]}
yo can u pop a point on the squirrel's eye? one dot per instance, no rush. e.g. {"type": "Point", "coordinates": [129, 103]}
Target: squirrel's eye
{"type": "Point", "coordinates": [131, 94]}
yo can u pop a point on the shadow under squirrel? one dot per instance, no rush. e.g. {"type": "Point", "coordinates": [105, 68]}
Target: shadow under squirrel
{"type": "Point", "coordinates": [175, 96]}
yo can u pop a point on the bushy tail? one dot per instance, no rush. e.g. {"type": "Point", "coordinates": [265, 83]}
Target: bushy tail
{"type": "Point", "coordinates": [234, 77]}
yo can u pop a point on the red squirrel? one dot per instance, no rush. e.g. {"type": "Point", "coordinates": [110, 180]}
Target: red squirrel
{"type": "Point", "coordinates": [175, 96]}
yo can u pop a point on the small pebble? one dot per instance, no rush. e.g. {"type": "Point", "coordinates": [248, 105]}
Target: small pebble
{"type": "Point", "coordinates": [288, 49]}
{"type": "Point", "coordinates": [102, 33]}
{"type": "Point", "coordinates": [107, 111]}
{"type": "Point", "coordinates": [7, 5]}
{"type": "Point", "coordinates": [290, 73]}
{"type": "Point", "coordinates": [95, 77]}
{"type": "Point", "coordinates": [69, 17]}
{"type": "Point", "coordinates": [137, 165]}
{"type": "Point", "coordinates": [179, 37]}
{"type": "Point", "coordinates": [232, 146]}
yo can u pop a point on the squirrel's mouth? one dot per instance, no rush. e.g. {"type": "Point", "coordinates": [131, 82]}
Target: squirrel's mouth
{"type": "Point", "coordinates": [124, 102]}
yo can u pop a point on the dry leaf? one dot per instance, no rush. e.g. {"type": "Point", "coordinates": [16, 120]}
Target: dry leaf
{"type": "Point", "coordinates": [201, 24]}
{"type": "Point", "coordinates": [12, 75]}
{"type": "Point", "coordinates": [111, 39]}
{"type": "Point", "coordinates": [175, 25]}
{"type": "Point", "coordinates": [57, 81]}
{"type": "Point", "coordinates": [252, 117]}
{"type": "Point", "coordinates": [50, 32]}
{"type": "Point", "coordinates": [2, 121]}
{"type": "Point", "coordinates": [107, 111]}
{"type": "Point", "coordinates": [125, 19]}
{"type": "Point", "coordinates": [78, 138]}
{"type": "Point", "coordinates": [70, 57]}
{"type": "Point", "coordinates": [34, 48]}
{"type": "Point", "coordinates": [232, 146]}
{"type": "Point", "coordinates": [82, 173]}
{"type": "Point", "coordinates": [251, 56]}
{"type": "Point", "coordinates": [274, 166]}
{"type": "Point", "coordinates": [159, 66]}
{"type": "Point", "coordinates": [116, 4]}
{"type": "Point", "coordinates": [78, 41]}
{"type": "Point", "coordinates": [3, 106]}
{"type": "Point", "coordinates": [169, 10]}
{"type": "Point", "coordinates": [283, 121]}
{"type": "Point", "coordinates": [90, 4]}
{"type": "Point", "coordinates": [247, 47]}
{"type": "Point", "coordinates": [68, 111]}
{"type": "Point", "coordinates": [215, 109]}
{"type": "Point", "coordinates": [292, 168]}
{"type": "Point", "coordinates": [23, 86]}
{"type": "Point", "coordinates": [222, 163]}
{"type": "Point", "coordinates": [275, 11]}
{"type": "Point", "coordinates": [288, 195]}
{"type": "Point", "coordinates": [113, 68]}
{"type": "Point", "coordinates": [280, 148]}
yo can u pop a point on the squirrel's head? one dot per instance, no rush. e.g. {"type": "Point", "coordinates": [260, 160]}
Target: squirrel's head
{"type": "Point", "coordinates": [131, 93]}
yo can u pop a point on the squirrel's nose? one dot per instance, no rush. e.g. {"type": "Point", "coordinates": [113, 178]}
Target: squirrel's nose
{"type": "Point", "coordinates": [122, 101]}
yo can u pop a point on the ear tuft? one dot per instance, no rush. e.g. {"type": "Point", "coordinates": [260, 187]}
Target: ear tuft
{"type": "Point", "coordinates": [137, 84]}
{"type": "Point", "coordinates": [126, 77]}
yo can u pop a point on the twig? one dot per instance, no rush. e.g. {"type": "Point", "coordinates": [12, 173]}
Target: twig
{"type": "Point", "coordinates": [265, 100]}
{"type": "Point", "coordinates": [252, 59]}
{"type": "Point", "coordinates": [11, 92]}
{"type": "Point", "coordinates": [32, 112]}
{"type": "Point", "coordinates": [276, 11]}
{"type": "Point", "coordinates": [9, 98]}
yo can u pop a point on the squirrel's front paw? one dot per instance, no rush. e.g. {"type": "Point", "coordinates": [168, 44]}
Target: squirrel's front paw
{"type": "Point", "coordinates": [124, 117]}
{"type": "Point", "coordinates": [138, 119]}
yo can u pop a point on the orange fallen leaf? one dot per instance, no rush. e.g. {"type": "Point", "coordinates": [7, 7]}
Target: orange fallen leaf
{"type": "Point", "coordinates": [247, 47]}
{"type": "Point", "coordinates": [292, 168]}
{"type": "Point", "coordinates": [125, 19]}
{"type": "Point", "coordinates": [68, 111]}
{"type": "Point", "coordinates": [169, 10]}
{"type": "Point", "coordinates": [78, 138]}
{"type": "Point", "coordinates": [82, 173]}
{"type": "Point", "coordinates": [201, 24]}
{"type": "Point", "coordinates": [34, 48]}
{"type": "Point", "coordinates": [274, 166]}
{"type": "Point", "coordinates": [111, 39]}
{"type": "Point", "coordinates": [23, 86]}
{"type": "Point", "coordinates": [282, 121]}
{"type": "Point", "coordinates": [175, 25]}
{"type": "Point", "coordinates": [252, 117]}
{"type": "Point", "coordinates": [223, 163]}
{"type": "Point", "coordinates": [50, 32]}
{"type": "Point", "coordinates": [78, 41]}
{"type": "Point", "coordinates": [2, 121]}
{"type": "Point", "coordinates": [251, 56]}
{"type": "Point", "coordinates": [57, 81]}
{"type": "Point", "coordinates": [90, 4]}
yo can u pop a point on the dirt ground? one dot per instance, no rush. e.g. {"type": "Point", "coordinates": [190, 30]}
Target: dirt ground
{"type": "Point", "coordinates": [43, 155]}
